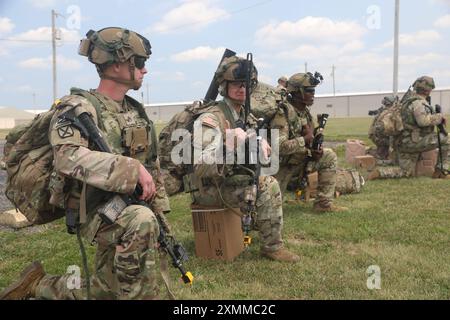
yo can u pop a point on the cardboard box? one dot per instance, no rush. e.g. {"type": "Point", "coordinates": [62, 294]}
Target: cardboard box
{"type": "Point", "coordinates": [218, 233]}
{"type": "Point", "coordinates": [365, 162]}
{"type": "Point", "coordinates": [354, 148]}
{"type": "Point", "coordinates": [427, 162]}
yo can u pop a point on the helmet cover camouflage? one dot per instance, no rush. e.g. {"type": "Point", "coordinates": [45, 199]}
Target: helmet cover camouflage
{"type": "Point", "coordinates": [235, 69]}
{"type": "Point", "coordinates": [388, 100]}
{"type": "Point", "coordinates": [424, 83]}
{"type": "Point", "coordinates": [299, 81]}
{"type": "Point", "coordinates": [112, 44]}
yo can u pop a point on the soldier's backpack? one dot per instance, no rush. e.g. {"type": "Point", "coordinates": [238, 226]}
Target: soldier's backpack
{"type": "Point", "coordinates": [29, 165]}
{"type": "Point", "coordinates": [182, 120]}
{"type": "Point", "coordinates": [264, 101]}
{"type": "Point", "coordinates": [389, 121]}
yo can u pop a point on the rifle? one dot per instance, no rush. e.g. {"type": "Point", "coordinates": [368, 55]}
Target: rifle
{"type": "Point", "coordinates": [213, 88]}
{"type": "Point", "coordinates": [407, 94]}
{"type": "Point", "coordinates": [251, 192]}
{"type": "Point", "coordinates": [114, 207]}
{"type": "Point", "coordinates": [315, 146]}
{"type": "Point", "coordinates": [440, 129]}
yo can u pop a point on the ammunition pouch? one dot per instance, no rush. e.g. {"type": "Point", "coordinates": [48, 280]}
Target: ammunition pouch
{"type": "Point", "coordinates": [135, 140]}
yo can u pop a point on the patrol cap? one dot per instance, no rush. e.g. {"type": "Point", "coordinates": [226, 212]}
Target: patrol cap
{"type": "Point", "coordinates": [110, 45]}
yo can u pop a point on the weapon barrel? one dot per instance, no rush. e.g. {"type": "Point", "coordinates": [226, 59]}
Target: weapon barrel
{"type": "Point", "coordinates": [213, 89]}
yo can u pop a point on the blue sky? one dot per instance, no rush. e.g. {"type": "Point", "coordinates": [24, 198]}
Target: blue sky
{"type": "Point", "coordinates": [189, 36]}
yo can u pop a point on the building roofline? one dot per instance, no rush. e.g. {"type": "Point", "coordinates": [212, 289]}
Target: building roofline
{"type": "Point", "coordinates": [327, 95]}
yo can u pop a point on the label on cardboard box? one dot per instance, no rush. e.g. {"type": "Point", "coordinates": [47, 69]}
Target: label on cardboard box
{"type": "Point", "coordinates": [218, 233]}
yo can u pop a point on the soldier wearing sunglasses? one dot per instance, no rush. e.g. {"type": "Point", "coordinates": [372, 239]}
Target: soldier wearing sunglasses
{"type": "Point", "coordinates": [85, 180]}
{"type": "Point", "coordinates": [296, 125]}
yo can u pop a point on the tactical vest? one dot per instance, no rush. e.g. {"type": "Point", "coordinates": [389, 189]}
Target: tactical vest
{"type": "Point", "coordinates": [130, 133]}
{"type": "Point", "coordinates": [295, 121]}
{"type": "Point", "coordinates": [185, 120]}
{"type": "Point", "coordinates": [410, 123]}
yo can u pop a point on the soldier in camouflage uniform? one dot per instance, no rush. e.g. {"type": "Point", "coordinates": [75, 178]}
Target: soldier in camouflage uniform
{"type": "Point", "coordinates": [419, 120]}
{"type": "Point", "coordinates": [296, 126]}
{"type": "Point", "coordinates": [127, 258]}
{"type": "Point", "coordinates": [282, 82]}
{"type": "Point", "coordinates": [381, 141]}
{"type": "Point", "coordinates": [219, 185]}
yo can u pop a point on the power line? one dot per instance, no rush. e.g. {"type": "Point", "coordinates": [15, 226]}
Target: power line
{"type": "Point", "coordinates": [30, 40]}
{"type": "Point", "coordinates": [221, 15]}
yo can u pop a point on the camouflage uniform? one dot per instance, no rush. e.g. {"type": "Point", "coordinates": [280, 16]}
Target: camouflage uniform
{"type": "Point", "coordinates": [295, 157]}
{"type": "Point", "coordinates": [219, 185]}
{"type": "Point", "coordinates": [226, 185]}
{"type": "Point", "coordinates": [381, 141]}
{"type": "Point", "coordinates": [127, 257]}
{"type": "Point", "coordinates": [419, 119]}
{"type": "Point", "coordinates": [293, 153]}
{"type": "Point", "coordinates": [280, 87]}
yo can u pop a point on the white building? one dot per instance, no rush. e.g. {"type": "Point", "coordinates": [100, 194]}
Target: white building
{"type": "Point", "coordinates": [10, 117]}
{"type": "Point", "coordinates": [342, 105]}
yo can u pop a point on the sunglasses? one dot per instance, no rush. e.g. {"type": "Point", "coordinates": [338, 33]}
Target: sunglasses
{"type": "Point", "coordinates": [310, 90]}
{"type": "Point", "coordinates": [139, 62]}
{"type": "Point", "coordinates": [238, 84]}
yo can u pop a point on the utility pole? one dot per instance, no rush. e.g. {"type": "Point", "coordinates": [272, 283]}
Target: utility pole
{"type": "Point", "coordinates": [333, 68]}
{"type": "Point", "coordinates": [306, 67]}
{"type": "Point", "coordinates": [147, 87]}
{"type": "Point", "coordinates": [55, 93]}
{"type": "Point", "coordinates": [396, 31]}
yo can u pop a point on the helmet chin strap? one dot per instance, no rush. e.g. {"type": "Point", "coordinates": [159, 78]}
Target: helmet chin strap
{"type": "Point", "coordinates": [135, 85]}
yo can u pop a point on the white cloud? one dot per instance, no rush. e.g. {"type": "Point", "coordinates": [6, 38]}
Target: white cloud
{"type": "Point", "coordinates": [35, 63]}
{"type": "Point", "coordinates": [63, 63]}
{"type": "Point", "coordinates": [190, 15]}
{"type": "Point", "coordinates": [419, 38]}
{"type": "Point", "coordinates": [265, 79]}
{"type": "Point", "coordinates": [443, 22]}
{"type": "Point", "coordinates": [314, 29]}
{"type": "Point", "coordinates": [6, 25]}
{"type": "Point", "coordinates": [45, 34]}
{"type": "Point", "coordinates": [200, 53]}
{"type": "Point", "coordinates": [321, 52]}
{"type": "Point", "coordinates": [43, 3]}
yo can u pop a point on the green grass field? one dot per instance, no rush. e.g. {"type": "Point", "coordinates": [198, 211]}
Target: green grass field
{"type": "Point", "coordinates": [401, 226]}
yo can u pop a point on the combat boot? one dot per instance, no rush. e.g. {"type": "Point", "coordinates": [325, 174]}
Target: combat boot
{"type": "Point", "coordinates": [281, 254]}
{"type": "Point", "coordinates": [25, 287]}
{"type": "Point", "coordinates": [318, 207]}
{"type": "Point", "coordinates": [439, 174]}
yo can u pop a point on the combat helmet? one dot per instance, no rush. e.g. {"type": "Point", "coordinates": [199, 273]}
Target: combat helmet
{"type": "Point", "coordinates": [423, 83]}
{"type": "Point", "coordinates": [388, 100]}
{"type": "Point", "coordinates": [301, 82]}
{"type": "Point", "coordinates": [235, 69]}
{"type": "Point", "coordinates": [115, 45]}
